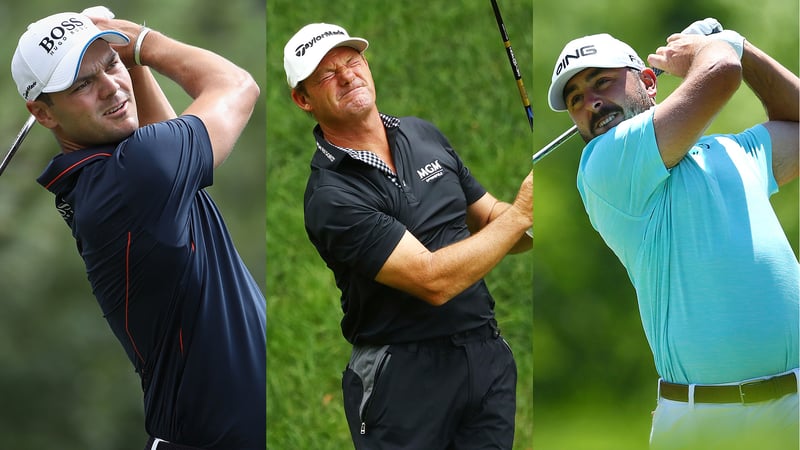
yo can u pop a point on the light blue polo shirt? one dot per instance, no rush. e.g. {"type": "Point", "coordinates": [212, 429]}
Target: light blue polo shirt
{"type": "Point", "coordinates": [716, 279]}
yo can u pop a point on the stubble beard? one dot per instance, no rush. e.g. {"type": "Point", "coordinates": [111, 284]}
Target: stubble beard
{"type": "Point", "coordinates": [632, 107]}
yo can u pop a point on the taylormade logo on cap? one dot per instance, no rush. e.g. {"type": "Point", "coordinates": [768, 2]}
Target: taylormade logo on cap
{"type": "Point", "coordinates": [599, 50]}
{"type": "Point", "coordinates": [49, 53]}
{"type": "Point", "coordinates": [301, 50]}
{"type": "Point", "coordinates": [304, 51]}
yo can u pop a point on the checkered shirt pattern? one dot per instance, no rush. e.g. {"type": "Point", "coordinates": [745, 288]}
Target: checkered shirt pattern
{"type": "Point", "coordinates": [370, 158]}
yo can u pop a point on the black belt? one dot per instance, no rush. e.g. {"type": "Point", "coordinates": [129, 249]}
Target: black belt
{"type": "Point", "coordinates": [164, 445]}
{"type": "Point", "coordinates": [747, 392]}
{"type": "Point", "coordinates": [488, 330]}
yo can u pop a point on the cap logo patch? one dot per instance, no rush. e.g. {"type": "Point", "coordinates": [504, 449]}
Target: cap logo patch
{"type": "Point", "coordinates": [583, 51]}
{"type": "Point", "coordinates": [59, 34]}
{"type": "Point", "coordinates": [28, 89]}
{"type": "Point", "coordinates": [301, 49]}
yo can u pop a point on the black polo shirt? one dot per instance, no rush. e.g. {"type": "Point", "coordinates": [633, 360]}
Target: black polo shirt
{"type": "Point", "coordinates": [356, 212]}
{"type": "Point", "coordinates": [169, 281]}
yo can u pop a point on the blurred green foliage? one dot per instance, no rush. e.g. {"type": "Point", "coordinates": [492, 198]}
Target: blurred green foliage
{"type": "Point", "coordinates": [65, 382]}
{"type": "Point", "coordinates": [440, 60]}
{"type": "Point", "coordinates": [594, 380]}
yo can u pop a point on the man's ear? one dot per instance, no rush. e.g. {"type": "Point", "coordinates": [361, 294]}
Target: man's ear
{"type": "Point", "coordinates": [301, 100]}
{"type": "Point", "coordinates": [650, 81]}
{"type": "Point", "coordinates": [41, 111]}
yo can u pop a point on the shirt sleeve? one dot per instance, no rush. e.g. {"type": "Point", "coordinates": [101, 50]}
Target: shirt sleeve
{"type": "Point", "coordinates": [757, 144]}
{"type": "Point", "coordinates": [350, 228]}
{"type": "Point", "coordinates": [164, 165]}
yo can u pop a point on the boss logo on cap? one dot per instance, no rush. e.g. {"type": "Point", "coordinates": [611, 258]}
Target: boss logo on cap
{"type": "Point", "coordinates": [59, 33]}
{"type": "Point", "coordinates": [301, 49]}
{"type": "Point", "coordinates": [583, 51]}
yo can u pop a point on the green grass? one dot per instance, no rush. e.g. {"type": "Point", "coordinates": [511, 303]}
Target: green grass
{"type": "Point", "coordinates": [593, 426]}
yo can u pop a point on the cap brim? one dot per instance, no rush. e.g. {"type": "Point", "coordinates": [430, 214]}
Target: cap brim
{"type": "Point", "coordinates": [67, 70]}
{"type": "Point", "coordinates": [555, 95]}
{"type": "Point", "coordinates": [356, 43]}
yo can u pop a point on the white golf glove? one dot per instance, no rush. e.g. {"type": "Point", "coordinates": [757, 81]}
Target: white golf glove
{"type": "Point", "coordinates": [712, 27]}
{"type": "Point", "coordinates": [98, 11]}
{"type": "Point", "coordinates": [704, 27]}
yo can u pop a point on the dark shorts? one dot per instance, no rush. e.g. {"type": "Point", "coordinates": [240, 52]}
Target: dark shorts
{"type": "Point", "coordinates": [453, 393]}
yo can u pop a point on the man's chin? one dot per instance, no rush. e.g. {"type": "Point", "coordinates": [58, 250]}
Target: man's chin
{"type": "Point", "coordinates": [117, 136]}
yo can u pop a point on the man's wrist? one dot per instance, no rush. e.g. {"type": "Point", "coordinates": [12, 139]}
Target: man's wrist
{"type": "Point", "coordinates": [137, 48]}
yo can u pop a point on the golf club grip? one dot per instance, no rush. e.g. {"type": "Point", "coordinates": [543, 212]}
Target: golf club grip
{"type": "Point", "coordinates": [17, 142]}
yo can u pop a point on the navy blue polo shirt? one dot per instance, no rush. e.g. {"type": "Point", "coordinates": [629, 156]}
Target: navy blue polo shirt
{"type": "Point", "coordinates": [169, 281]}
{"type": "Point", "coordinates": [356, 213]}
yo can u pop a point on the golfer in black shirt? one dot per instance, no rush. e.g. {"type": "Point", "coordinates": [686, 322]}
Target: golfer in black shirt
{"type": "Point", "coordinates": [409, 235]}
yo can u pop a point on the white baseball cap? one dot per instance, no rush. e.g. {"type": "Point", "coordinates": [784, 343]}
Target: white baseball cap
{"type": "Point", "coordinates": [304, 51]}
{"type": "Point", "coordinates": [49, 53]}
{"type": "Point", "coordinates": [598, 50]}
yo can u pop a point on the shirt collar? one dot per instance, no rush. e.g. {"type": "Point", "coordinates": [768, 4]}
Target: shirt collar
{"type": "Point", "coordinates": [329, 155]}
{"type": "Point", "coordinates": [65, 166]}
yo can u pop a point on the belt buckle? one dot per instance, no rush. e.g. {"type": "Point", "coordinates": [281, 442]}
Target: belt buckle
{"type": "Point", "coordinates": [742, 394]}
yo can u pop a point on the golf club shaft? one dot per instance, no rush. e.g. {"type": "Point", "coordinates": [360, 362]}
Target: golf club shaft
{"type": "Point", "coordinates": [17, 142]}
{"type": "Point", "coordinates": [513, 61]}
{"type": "Point", "coordinates": [554, 144]}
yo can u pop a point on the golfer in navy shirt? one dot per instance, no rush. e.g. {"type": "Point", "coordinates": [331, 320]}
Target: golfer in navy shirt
{"type": "Point", "coordinates": [130, 184]}
{"type": "Point", "coordinates": [409, 234]}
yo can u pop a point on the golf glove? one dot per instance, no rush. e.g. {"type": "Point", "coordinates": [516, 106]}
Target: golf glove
{"type": "Point", "coordinates": [711, 26]}
{"type": "Point", "coordinates": [704, 27]}
{"type": "Point", "coordinates": [98, 11]}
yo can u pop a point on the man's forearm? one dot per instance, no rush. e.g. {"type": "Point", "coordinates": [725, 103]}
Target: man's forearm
{"type": "Point", "coordinates": [223, 94]}
{"type": "Point", "coordinates": [151, 104]}
{"type": "Point", "coordinates": [192, 68]}
{"type": "Point", "coordinates": [460, 265]}
{"type": "Point", "coordinates": [776, 86]}
{"type": "Point", "coordinates": [525, 242]}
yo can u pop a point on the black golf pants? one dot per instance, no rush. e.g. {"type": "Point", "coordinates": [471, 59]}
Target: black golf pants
{"type": "Point", "coordinates": [453, 393]}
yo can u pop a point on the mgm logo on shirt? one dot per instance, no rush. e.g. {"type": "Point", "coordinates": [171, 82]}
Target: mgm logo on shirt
{"type": "Point", "coordinates": [430, 172]}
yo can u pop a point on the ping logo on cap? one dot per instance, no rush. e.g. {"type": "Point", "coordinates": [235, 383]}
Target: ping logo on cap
{"type": "Point", "coordinates": [586, 50]}
{"type": "Point", "coordinates": [301, 49]}
{"type": "Point", "coordinates": [58, 34]}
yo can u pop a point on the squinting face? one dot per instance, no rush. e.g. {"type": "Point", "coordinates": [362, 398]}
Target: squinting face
{"type": "Point", "coordinates": [599, 99]}
{"type": "Point", "coordinates": [99, 107]}
{"type": "Point", "coordinates": [340, 89]}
